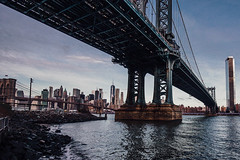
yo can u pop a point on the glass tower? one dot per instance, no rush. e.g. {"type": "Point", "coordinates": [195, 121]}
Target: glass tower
{"type": "Point", "coordinates": [230, 84]}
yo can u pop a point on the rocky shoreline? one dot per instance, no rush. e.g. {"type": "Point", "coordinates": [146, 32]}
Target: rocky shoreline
{"type": "Point", "coordinates": [29, 139]}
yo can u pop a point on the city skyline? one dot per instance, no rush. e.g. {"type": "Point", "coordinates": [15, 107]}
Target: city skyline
{"type": "Point", "coordinates": [52, 58]}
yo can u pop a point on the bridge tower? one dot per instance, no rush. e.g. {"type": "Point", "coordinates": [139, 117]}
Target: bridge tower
{"type": "Point", "coordinates": [135, 107]}
{"type": "Point", "coordinates": [212, 92]}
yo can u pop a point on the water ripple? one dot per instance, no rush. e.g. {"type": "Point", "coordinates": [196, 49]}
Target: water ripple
{"type": "Point", "coordinates": [196, 137]}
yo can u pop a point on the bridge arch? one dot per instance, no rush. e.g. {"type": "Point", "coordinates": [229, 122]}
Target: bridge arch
{"type": "Point", "coordinates": [7, 91]}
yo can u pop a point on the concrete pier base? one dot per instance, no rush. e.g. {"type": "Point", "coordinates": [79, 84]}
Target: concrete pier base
{"type": "Point", "coordinates": [163, 112]}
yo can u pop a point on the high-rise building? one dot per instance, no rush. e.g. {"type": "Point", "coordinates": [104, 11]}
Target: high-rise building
{"type": "Point", "coordinates": [96, 95]}
{"type": "Point", "coordinates": [112, 95]}
{"type": "Point", "coordinates": [56, 93]}
{"type": "Point", "coordinates": [61, 92]}
{"type": "Point", "coordinates": [82, 97]}
{"type": "Point", "coordinates": [100, 93]}
{"type": "Point", "coordinates": [50, 92]}
{"type": "Point", "coordinates": [76, 93]}
{"type": "Point", "coordinates": [90, 97]}
{"type": "Point", "coordinates": [117, 102]}
{"type": "Point", "coordinates": [45, 97]}
{"type": "Point", "coordinates": [65, 94]}
{"type": "Point", "coordinates": [230, 84]}
{"type": "Point", "coordinates": [121, 100]}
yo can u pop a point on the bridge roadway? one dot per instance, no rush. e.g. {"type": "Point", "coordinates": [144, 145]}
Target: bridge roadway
{"type": "Point", "coordinates": [52, 100]}
{"type": "Point", "coordinates": [118, 28]}
{"type": "Point", "coordinates": [26, 99]}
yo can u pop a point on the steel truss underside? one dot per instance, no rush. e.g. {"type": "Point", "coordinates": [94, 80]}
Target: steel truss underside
{"type": "Point", "coordinates": [116, 28]}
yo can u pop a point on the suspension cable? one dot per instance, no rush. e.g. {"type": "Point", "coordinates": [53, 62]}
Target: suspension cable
{"type": "Point", "coordinates": [152, 7]}
{"type": "Point", "coordinates": [185, 55]}
{"type": "Point", "coordinates": [189, 41]}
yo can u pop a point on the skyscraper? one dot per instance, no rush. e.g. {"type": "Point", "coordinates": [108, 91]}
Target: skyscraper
{"type": "Point", "coordinates": [96, 95]}
{"type": "Point", "coordinates": [82, 97]}
{"type": "Point", "coordinates": [76, 93]}
{"type": "Point", "coordinates": [230, 83]}
{"type": "Point", "coordinates": [121, 100]}
{"type": "Point", "coordinates": [117, 102]}
{"type": "Point", "coordinates": [91, 97]}
{"type": "Point", "coordinates": [100, 93]}
{"type": "Point", "coordinates": [112, 94]}
{"type": "Point", "coordinates": [50, 92]}
{"type": "Point", "coordinates": [56, 93]}
{"type": "Point", "coordinates": [44, 96]}
{"type": "Point", "coordinates": [61, 92]}
{"type": "Point", "coordinates": [65, 95]}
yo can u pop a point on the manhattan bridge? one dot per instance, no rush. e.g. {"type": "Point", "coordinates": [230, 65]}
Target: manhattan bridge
{"type": "Point", "coordinates": [144, 36]}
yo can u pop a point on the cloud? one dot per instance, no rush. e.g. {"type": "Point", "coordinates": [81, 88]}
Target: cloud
{"type": "Point", "coordinates": [87, 59]}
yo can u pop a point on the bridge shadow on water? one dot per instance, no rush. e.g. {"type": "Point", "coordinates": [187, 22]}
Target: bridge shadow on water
{"type": "Point", "coordinates": [170, 140]}
{"type": "Point", "coordinates": [144, 139]}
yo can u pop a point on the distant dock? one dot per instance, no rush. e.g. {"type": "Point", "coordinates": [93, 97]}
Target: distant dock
{"type": "Point", "coordinates": [218, 114]}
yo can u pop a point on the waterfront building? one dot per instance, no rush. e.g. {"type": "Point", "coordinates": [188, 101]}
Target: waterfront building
{"type": "Point", "coordinates": [22, 104]}
{"type": "Point", "coordinates": [237, 107]}
{"type": "Point", "coordinates": [223, 109]}
{"type": "Point", "coordinates": [71, 106]}
{"type": "Point", "coordinates": [76, 93]}
{"type": "Point", "coordinates": [112, 95]}
{"type": "Point", "coordinates": [117, 102]}
{"type": "Point", "coordinates": [50, 92]}
{"type": "Point", "coordinates": [121, 100]}
{"type": "Point", "coordinates": [36, 105]}
{"type": "Point", "coordinates": [230, 84]}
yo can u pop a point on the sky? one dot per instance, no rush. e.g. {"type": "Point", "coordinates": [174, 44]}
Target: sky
{"type": "Point", "coordinates": [30, 49]}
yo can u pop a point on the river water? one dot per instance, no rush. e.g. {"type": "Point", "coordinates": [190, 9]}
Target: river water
{"type": "Point", "coordinates": [196, 137]}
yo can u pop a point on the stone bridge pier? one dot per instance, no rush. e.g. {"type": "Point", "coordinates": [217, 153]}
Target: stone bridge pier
{"type": "Point", "coordinates": [136, 108]}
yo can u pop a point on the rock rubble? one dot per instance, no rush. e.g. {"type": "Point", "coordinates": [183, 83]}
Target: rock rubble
{"type": "Point", "coordinates": [29, 139]}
